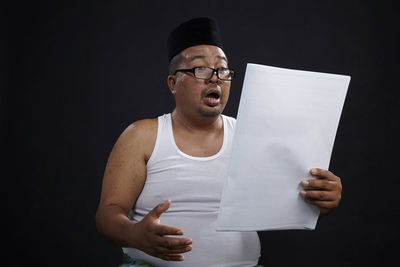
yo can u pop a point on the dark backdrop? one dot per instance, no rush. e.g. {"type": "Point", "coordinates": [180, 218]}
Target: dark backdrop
{"type": "Point", "coordinates": [74, 75]}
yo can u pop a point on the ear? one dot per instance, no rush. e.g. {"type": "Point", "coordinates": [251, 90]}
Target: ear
{"type": "Point", "coordinates": [171, 83]}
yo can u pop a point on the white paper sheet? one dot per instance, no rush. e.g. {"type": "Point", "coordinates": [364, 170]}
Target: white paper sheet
{"type": "Point", "coordinates": [286, 124]}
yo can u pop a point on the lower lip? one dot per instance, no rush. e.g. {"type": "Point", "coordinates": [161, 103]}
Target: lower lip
{"type": "Point", "coordinates": [212, 102]}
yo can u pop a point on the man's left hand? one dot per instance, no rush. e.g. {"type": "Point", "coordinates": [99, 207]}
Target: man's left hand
{"type": "Point", "coordinates": [324, 192]}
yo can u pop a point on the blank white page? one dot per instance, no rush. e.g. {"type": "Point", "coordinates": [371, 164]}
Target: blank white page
{"type": "Point", "coordinates": [286, 125]}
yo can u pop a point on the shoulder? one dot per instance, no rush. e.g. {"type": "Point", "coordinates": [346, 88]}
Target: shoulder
{"type": "Point", "coordinates": [141, 128]}
{"type": "Point", "coordinates": [139, 137]}
{"type": "Point", "coordinates": [230, 121]}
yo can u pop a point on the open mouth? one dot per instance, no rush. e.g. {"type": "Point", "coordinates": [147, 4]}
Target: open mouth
{"type": "Point", "coordinates": [213, 97]}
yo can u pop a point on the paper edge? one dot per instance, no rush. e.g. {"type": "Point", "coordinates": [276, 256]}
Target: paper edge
{"type": "Point", "coordinates": [266, 68]}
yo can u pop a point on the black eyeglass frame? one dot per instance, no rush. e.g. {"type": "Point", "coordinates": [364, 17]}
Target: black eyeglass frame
{"type": "Point", "coordinates": [192, 70]}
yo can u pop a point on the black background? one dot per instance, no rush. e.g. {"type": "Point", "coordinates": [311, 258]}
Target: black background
{"type": "Point", "coordinates": [74, 75]}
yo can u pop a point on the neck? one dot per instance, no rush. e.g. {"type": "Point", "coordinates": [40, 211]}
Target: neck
{"type": "Point", "coordinates": [196, 123]}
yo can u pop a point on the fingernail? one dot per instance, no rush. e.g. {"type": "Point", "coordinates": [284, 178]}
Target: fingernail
{"type": "Point", "coordinates": [188, 242]}
{"type": "Point", "coordinates": [305, 182]}
{"type": "Point", "coordinates": [165, 202]}
{"type": "Point", "coordinates": [179, 232]}
{"type": "Point", "coordinates": [303, 193]}
{"type": "Point", "coordinates": [314, 171]}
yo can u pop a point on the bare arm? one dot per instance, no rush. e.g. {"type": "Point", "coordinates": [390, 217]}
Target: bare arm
{"type": "Point", "coordinates": [123, 181]}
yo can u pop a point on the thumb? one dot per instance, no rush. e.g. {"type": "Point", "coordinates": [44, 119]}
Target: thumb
{"type": "Point", "coordinates": [161, 208]}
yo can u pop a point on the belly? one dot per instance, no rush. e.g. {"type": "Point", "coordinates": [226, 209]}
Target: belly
{"type": "Point", "coordinates": [210, 247]}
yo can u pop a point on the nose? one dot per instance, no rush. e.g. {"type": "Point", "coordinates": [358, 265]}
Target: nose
{"type": "Point", "coordinates": [214, 78]}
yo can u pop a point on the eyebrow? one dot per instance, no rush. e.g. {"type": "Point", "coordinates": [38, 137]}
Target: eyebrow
{"type": "Point", "coordinates": [202, 57]}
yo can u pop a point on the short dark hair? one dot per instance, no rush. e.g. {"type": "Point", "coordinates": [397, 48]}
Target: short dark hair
{"type": "Point", "coordinates": [175, 63]}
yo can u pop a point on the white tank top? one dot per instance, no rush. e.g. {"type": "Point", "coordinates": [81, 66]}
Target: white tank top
{"type": "Point", "coordinates": [194, 185]}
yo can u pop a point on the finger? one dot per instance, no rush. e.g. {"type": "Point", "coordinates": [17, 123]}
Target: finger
{"type": "Point", "coordinates": [171, 257]}
{"type": "Point", "coordinates": [323, 174]}
{"type": "Point", "coordinates": [177, 250]}
{"type": "Point", "coordinates": [160, 209]}
{"type": "Point", "coordinates": [170, 242]}
{"type": "Point", "coordinates": [320, 184]}
{"type": "Point", "coordinates": [318, 195]}
{"type": "Point", "coordinates": [162, 229]}
{"type": "Point", "coordinates": [323, 204]}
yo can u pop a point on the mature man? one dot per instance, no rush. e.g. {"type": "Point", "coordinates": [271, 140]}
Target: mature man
{"type": "Point", "coordinates": [182, 157]}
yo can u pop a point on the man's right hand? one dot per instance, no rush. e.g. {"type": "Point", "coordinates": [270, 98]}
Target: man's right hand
{"type": "Point", "coordinates": [155, 238]}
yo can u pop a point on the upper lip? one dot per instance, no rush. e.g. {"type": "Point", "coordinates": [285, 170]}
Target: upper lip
{"type": "Point", "coordinates": [216, 90]}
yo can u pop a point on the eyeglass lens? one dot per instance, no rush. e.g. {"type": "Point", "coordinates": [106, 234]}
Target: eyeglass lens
{"type": "Point", "coordinates": [206, 73]}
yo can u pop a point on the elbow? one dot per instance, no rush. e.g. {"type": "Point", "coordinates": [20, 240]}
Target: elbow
{"type": "Point", "coordinates": [99, 221]}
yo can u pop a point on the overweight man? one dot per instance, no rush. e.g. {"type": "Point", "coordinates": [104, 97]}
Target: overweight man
{"type": "Point", "coordinates": [163, 180]}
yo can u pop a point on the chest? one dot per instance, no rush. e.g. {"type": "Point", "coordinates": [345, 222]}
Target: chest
{"type": "Point", "coordinates": [186, 182]}
{"type": "Point", "coordinates": [199, 145]}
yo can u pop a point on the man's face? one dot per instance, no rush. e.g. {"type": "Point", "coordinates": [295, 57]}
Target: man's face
{"type": "Point", "coordinates": [201, 97]}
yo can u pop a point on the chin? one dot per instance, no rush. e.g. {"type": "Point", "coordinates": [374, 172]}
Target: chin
{"type": "Point", "coordinates": [211, 112]}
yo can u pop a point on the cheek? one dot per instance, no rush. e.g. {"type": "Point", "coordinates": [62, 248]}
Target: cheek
{"type": "Point", "coordinates": [190, 91]}
{"type": "Point", "coordinates": [226, 91]}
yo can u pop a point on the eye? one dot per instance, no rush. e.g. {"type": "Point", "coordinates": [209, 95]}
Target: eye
{"type": "Point", "coordinates": [224, 71]}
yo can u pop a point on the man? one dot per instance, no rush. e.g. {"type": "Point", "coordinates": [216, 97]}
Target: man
{"type": "Point", "coordinates": [182, 157]}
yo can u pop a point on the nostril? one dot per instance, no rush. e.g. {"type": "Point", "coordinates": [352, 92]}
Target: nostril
{"type": "Point", "coordinates": [214, 78]}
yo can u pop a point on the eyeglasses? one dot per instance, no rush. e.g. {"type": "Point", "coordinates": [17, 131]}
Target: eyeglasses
{"type": "Point", "coordinates": [206, 73]}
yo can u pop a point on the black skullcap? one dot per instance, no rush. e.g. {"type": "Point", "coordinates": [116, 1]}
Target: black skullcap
{"type": "Point", "coordinates": [198, 31]}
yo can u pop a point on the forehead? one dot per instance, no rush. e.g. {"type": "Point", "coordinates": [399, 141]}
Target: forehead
{"type": "Point", "coordinates": [205, 52]}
